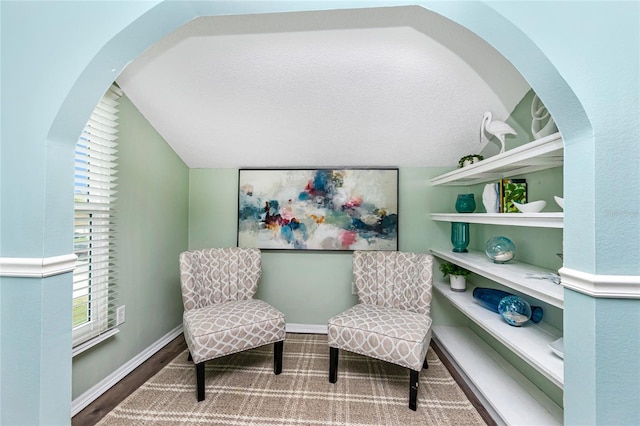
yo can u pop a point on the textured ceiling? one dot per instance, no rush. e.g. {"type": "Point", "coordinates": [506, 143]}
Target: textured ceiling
{"type": "Point", "coordinates": [370, 87]}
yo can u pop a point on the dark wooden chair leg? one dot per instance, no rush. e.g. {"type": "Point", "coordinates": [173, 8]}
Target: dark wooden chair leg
{"type": "Point", "coordinates": [189, 358]}
{"type": "Point", "coordinates": [277, 356]}
{"type": "Point", "coordinates": [333, 365]}
{"type": "Point", "coordinates": [425, 365]}
{"type": "Point", "coordinates": [200, 381]}
{"type": "Point", "coordinates": [414, 379]}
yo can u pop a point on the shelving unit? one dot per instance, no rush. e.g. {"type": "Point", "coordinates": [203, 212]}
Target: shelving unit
{"type": "Point", "coordinates": [539, 220]}
{"type": "Point", "coordinates": [511, 396]}
{"type": "Point", "coordinates": [530, 342]}
{"type": "Point", "coordinates": [502, 388]}
{"type": "Point", "coordinates": [545, 153]}
{"type": "Point", "coordinates": [519, 276]}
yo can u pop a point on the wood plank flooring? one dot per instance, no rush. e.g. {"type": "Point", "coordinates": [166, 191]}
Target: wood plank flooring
{"type": "Point", "coordinates": [110, 399]}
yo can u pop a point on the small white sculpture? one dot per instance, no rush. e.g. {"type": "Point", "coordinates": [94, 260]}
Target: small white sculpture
{"type": "Point", "coordinates": [496, 128]}
{"type": "Point", "coordinates": [541, 122]}
{"type": "Point", "coordinates": [490, 198]}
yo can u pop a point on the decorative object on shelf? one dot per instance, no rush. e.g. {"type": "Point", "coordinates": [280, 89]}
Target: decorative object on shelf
{"type": "Point", "coordinates": [496, 128]}
{"type": "Point", "coordinates": [489, 298]}
{"type": "Point", "coordinates": [514, 310]}
{"type": "Point", "coordinates": [465, 203]}
{"type": "Point", "coordinates": [512, 190]}
{"type": "Point", "coordinates": [554, 278]}
{"type": "Point", "coordinates": [531, 207]}
{"type": "Point", "coordinates": [559, 201]}
{"type": "Point", "coordinates": [541, 122]}
{"type": "Point", "coordinates": [460, 236]}
{"type": "Point", "coordinates": [457, 275]}
{"type": "Point", "coordinates": [467, 160]}
{"type": "Point", "coordinates": [557, 347]}
{"type": "Point", "coordinates": [491, 197]}
{"type": "Point", "coordinates": [500, 249]}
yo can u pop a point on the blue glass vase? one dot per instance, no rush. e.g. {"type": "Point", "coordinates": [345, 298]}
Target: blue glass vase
{"type": "Point", "coordinates": [465, 203]}
{"type": "Point", "coordinates": [460, 236]}
{"type": "Point", "coordinates": [489, 298]}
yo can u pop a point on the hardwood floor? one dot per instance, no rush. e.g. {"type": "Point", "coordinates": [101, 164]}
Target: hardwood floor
{"type": "Point", "coordinates": [110, 399]}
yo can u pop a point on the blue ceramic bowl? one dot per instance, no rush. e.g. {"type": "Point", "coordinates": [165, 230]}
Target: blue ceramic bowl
{"type": "Point", "coordinates": [514, 310]}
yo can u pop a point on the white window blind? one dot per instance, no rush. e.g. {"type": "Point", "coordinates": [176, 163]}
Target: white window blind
{"type": "Point", "coordinates": [94, 279]}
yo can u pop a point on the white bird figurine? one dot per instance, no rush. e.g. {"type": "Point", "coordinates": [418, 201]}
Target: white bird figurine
{"type": "Point", "coordinates": [495, 128]}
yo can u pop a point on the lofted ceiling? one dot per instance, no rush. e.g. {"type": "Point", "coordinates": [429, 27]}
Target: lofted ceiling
{"type": "Point", "coordinates": [397, 86]}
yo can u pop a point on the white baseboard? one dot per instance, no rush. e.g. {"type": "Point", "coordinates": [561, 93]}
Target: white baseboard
{"type": "Point", "coordinates": [307, 328]}
{"type": "Point", "coordinates": [92, 394]}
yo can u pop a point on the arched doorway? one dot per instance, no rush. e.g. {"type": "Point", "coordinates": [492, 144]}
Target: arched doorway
{"type": "Point", "coordinates": [100, 71]}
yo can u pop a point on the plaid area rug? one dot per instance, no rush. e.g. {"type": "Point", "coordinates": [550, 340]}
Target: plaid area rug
{"type": "Point", "coordinates": [241, 389]}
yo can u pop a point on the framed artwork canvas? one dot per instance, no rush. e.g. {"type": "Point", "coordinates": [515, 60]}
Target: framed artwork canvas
{"type": "Point", "coordinates": [318, 209]}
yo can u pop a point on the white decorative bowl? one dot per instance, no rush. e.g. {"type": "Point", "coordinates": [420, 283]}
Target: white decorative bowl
{"type": "Point", "coordinates": [559, 201]}
{"type": "Point", "coordinates": [532, 207]}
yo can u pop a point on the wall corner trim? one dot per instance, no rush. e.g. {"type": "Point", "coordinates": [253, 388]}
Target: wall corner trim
{"type": "Point", "coordinates": [37, 267]}
{"type": "Point", "coordinates": [602, 286]}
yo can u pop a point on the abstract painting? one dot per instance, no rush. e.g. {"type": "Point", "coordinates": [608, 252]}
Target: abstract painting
{"type": "Point", "coordinates": [318, 209]}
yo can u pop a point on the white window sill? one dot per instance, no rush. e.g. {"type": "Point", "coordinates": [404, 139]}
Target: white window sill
{"type": "Point", "coordinates": [91, 343]}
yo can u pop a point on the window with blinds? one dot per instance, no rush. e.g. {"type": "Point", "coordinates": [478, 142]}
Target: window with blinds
{"type": "Point", "coordinates": [94, 281]}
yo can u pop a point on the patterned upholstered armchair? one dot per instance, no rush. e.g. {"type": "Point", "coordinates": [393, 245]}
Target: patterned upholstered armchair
{"type": "Point", "coordinates": [221, 317]}
{"type": "Point", "coordinates": [392, 320]}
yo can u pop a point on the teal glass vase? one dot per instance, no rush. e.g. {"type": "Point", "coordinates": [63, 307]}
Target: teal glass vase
{"type": "Point", "coordinates": [460, 236]}
{"type": "Point", "coordinates": [465, 203]}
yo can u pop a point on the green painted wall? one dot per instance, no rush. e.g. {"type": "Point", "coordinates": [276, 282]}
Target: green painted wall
{"type": "Point", "coordinates": [151, 224]}
{"type": "Point", "coordinates": [309, 287]}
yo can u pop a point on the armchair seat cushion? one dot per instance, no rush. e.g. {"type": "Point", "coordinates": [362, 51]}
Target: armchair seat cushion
{"type": "Point", "coordinates": [226, 328]}
{"type": "Point", "coordinates": [395, 335]}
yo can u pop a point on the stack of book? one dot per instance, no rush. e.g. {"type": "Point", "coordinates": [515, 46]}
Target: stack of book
{"type": "Point", "coordinates": [508, 191]}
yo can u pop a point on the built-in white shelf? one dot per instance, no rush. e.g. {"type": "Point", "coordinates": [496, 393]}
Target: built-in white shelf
{"type": "Point", "coordinates": [541, 154]}
{"type": "Point", "coordinates": [538, 220]}
{"type": "Point", "coordinates": [530, 341]}
{"type": "Point", "coordinates": [522, 277]}
{"type": "Point", "coordinates": [510, 395]}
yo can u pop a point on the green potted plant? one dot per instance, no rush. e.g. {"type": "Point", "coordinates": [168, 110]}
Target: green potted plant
{"type": "Point", "coordinates": [469, 159]}
{"type": "Point", "coordinates": [457, 275]}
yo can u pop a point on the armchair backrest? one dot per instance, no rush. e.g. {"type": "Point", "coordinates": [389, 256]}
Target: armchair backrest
{"type": "Point", "coordinates": [217, 275]}
{"type": "Point", "coordinates": [394, 279]}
